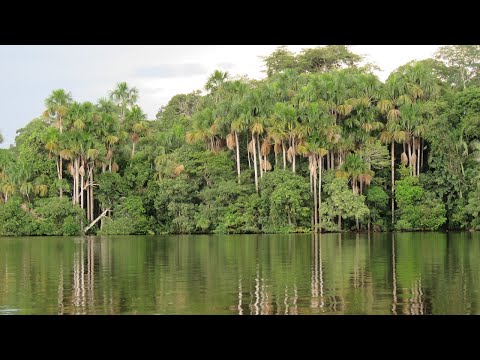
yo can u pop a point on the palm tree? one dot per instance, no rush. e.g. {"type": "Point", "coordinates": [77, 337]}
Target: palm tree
{"type": "Point", "coordinates": [256, 128]}
{"type": "Point", "coordinates": [26, 188]}
{"type": "Point", "coordinates": [216, 80]}
{"type": "Point", "coordinates": [137, 125]}
{"type": "Point", "coordinates": [40, 187]}
{"type": "Point", "coordinates": [8, 188]}
{"type": "Point", "coordinates": [354, 166]}
{"type": "Point", "coordinates": [124, 96]}
{"type": "Point", "coordinates": [57, 106]}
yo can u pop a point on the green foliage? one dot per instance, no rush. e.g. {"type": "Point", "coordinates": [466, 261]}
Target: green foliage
{"type": "Point", "coordinates": [377, 202]}
{"type": "Point", "coordinates": [463, 62]}
{"type": "Point", "coordinates": [58, 217]}
{"type": "Point", "coordinates": [286, 199]}
{"type": "Point", "coordinates": [243, 216]}
{"type": "Point", "coordinates": [129, 219]}
{"type": "Point", "coordinates": [280, 60]}
{"type": "Point", "coordinates": [215, 201]}
{"type": "Point", "coordinates": [16, 220]}
{"type": "Point", "coordinates": [472, 209]}
{"type": "Point", "coordinates": [341, 202]}
{"type": "Point", "coordinates": [417, 209]}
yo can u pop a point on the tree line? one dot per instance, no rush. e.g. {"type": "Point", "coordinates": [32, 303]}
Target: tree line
{"type": "Point", "coordinates": [319, 144]}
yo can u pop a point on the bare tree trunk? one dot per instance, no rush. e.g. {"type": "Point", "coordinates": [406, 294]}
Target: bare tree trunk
{"type": "Point", "coordinates": [393, 180]}
{"type": "Point", "coordinates": [328, 159]}
{"type": "Point", "coordinates": [96, 220]}
{"type": "Point", "coordinates": [357, 225]}
{"type": "Point", "coordinates": [332, 159]}
{"type": "Point", "coordinates": [284, 156]}
{"type": "Point", "coordinates": [255, 163]}
{"type": "Point", "coordinates": [237, 145]}
{"type": "Point", "coordinates": [133, 148]}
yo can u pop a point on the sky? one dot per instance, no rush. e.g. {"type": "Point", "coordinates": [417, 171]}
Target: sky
{"type": "Point", "coordinates": [28, 74]}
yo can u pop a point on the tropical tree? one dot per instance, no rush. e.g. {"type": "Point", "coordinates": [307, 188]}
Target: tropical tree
{"type": "Point", "coordinates": [125, 97]}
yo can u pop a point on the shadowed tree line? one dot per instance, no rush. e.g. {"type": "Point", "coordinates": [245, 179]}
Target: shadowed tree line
{"type": "Point", "coordinates": [320, 144]}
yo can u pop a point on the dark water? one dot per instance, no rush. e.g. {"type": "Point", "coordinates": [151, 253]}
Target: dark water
{"type": "Point", "coordinates": [405, 273]}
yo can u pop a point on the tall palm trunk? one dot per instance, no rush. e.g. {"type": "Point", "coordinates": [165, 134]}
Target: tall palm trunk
{"type": "Point", "coordinates": [393, 180]}
{"type": "Point", "coordinates": [422, 143]}
{"type": "Point", "coordinates": [310, 164]}
{"type": "Point", "coordinates": [409, 157]}
{"type": "Point", "coordinates": [259, 156]}
{"type": "Point", "coordinates": [315, 204]}
{"type": "Point", "coordinates": [133, 148]}
{"type": "Point", "coordinates": [92, 202]}
{"type": "Point", "coordinates": [340, 220]}
{"type": "Point", "coordinates": [320, 193]}
{"type": "Point", "coordinates": [88, 196]}
{"type": "Point", "coordinates": [248, 154]}
{"type": "Point", "coordinates": [294, 156]}
{"type": "Point", "coordinates": [414, 165]}
{"type": "Point", "coordinates": [284, 156]}
{"type": "Point", "coordinates": [418, 155]}
{"type": "Point", "coordinates": [74, 188]}
{"type": "Point", "coordinates": [60, 175]}
{"type": "Point", "coordinates": [255, 162]}
{"type": "Point", "coordinates": [81, 184]}
{"type": "Point", "coordinates": [238, 155]}
{"type": "Point", "coordinates": [77, 175]}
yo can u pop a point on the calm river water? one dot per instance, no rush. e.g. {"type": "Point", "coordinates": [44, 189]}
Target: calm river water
{"type": "Point", "coordinates": [402, 273]}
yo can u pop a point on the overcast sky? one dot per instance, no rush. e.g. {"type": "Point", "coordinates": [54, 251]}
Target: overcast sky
{"type": "Point", "coordinates": [28, 74]}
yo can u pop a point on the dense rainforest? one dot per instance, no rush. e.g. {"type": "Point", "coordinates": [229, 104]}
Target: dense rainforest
{"type": "Point", "coordinates": [319, 144]}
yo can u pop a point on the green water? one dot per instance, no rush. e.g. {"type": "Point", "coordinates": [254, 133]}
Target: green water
{"type": "Point", "coordinates": [403, 273]}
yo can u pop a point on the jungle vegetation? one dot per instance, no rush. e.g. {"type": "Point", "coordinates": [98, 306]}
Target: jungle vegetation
{"type": "Point", "coordinates": [319, 144]}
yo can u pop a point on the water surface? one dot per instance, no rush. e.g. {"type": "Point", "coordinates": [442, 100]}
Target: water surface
{"type": "Point", "coordinates": [402, 273]}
